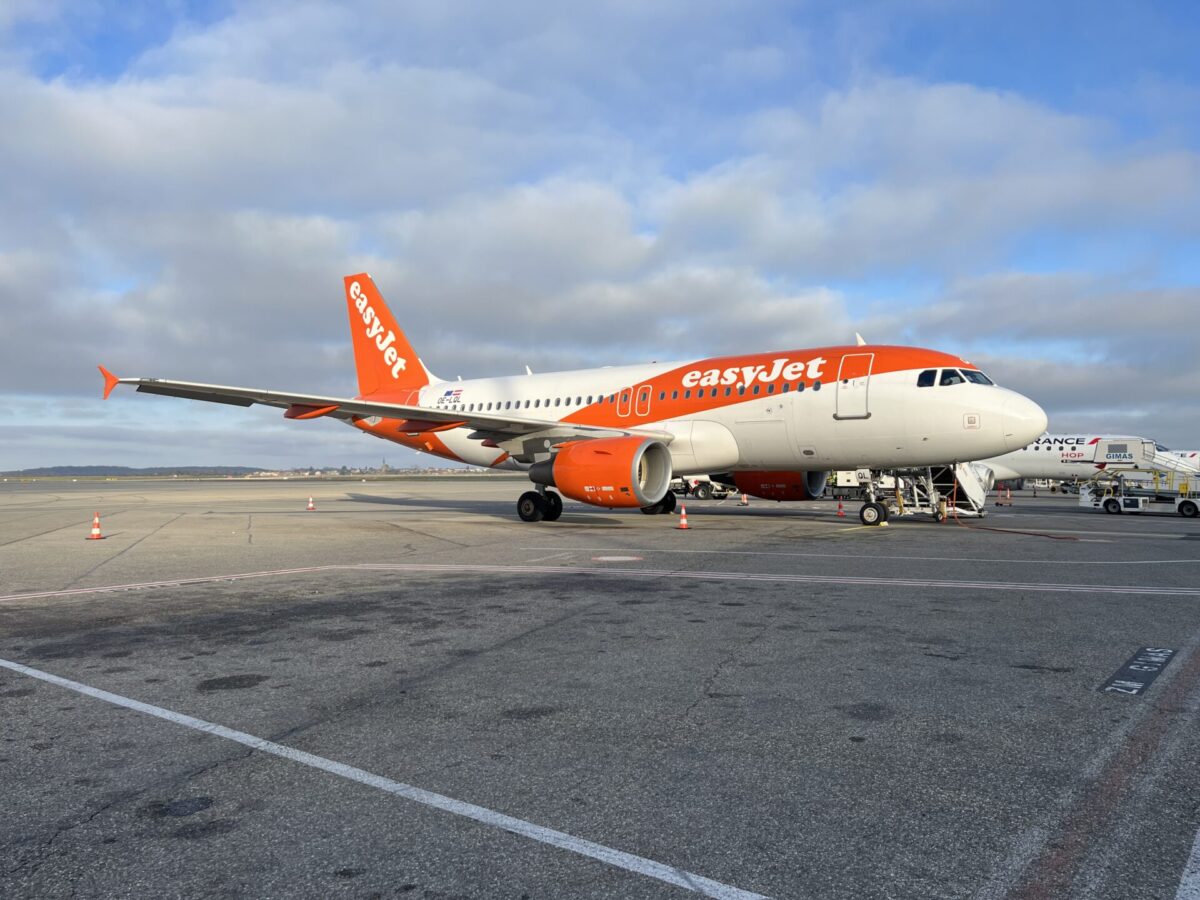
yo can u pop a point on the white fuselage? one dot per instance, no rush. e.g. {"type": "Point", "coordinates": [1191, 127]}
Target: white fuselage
{"type": "Point", "coordinates": [876, 419]}
{"type": "Point", "coordinates": [1075, 456]}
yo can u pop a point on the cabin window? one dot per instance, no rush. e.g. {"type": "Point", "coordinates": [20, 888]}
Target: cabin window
{"type": "Point", "coordinates": [579, 401]}
{"type": "Point", "coordinates": [687, 395]}
{"type": "Point", "coordinates": [951, 376]}
{"type": "Point", "coordinates": [799, 385]}
{"type": "Point", "coordinates": [557, 401]}
{"type": "Point", "coordinates": [785, 387]}
{"type": "Point", "coordinates": [537, 404]}
{"type": "Point", "coordinates": [589, 399]}
{"type": "Point", "coordinates": [662, 395]}
{"type": "Point", "coordinates": [770, 388]}
{"type": "Point", "coordinates": [927, 378]}
{"type": "Point", "coordinates": [741, 389]}
{"type": "Point", "coordinates": [817, 385]}
{"type": "Point", "coordinates": [674, 395]}
{"type": "Point", "coordinates": [756, 389]}
{"type": "Point", "coordinates": [728, 391]}
{"type": "Point", "coordinates": [714, 393]}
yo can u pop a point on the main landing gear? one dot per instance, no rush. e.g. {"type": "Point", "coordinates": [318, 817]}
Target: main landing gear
{"type": "Point", "coordinates": [662, 507]}
{"type": "Point", "coordinates": [539, 507]}
{"type": "Point", "coordinates": [873, 513]}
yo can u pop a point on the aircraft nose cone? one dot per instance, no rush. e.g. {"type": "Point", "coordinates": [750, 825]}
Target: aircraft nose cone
{"type": "Point", "coordinates": [1023, 422]}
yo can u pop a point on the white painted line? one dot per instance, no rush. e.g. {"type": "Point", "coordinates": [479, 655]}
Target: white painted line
{"type": "Point", "coordinates": [1189, 884]}
{"type": "Point", "coordinates": [616, 559]}
{"type": "Point", "coordinates": [691, 574]}
{"type": "Point", "coordinates": [552, 556]}
{"type": "Point", "coordinates": [621, 860]}
{"type": "Point", "coordinates": [1042, 587]}
{"type": "Point", "coordinates": [725, 551]}
{"type": "Point", "coordinates": [177, 582]}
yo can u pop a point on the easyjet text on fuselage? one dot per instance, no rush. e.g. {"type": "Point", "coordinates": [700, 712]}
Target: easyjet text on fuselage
{"type": "Point", "coordinates": [783, 367]}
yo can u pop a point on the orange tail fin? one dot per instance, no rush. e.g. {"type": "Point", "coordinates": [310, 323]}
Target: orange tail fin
{"type": "Point", "coordinates": [385, 359]}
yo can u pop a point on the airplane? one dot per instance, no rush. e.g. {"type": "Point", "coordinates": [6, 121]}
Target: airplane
{"type": "Point", "coordinates": [1074, 456]}
{"type": "Point", "coordinates": [615, 436]}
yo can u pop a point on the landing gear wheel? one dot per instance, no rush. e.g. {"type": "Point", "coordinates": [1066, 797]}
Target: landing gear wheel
{"type": "Point", "coordinates": [553, 504]}
{"type": "Point", "coordinates": [531, 507]}
{"type": "Point", "coordinates": [704, 491]}
{"type": "Point", "coordinates": [1188, 509]}
{"type": "Point", "coordinates": [662, 507]}
{"type": "Point", "coordinates": [872, 514]}
{"type": "Point", "coordinates": [1112, 506]}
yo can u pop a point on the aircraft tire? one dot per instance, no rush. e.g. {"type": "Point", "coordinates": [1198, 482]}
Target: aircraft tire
{"type": "Point", "coordinates": [531, 507]}
{"type": "Point", "coordinates": [872, 514]}
{"type": "Point", "coordinates": [554, 506]}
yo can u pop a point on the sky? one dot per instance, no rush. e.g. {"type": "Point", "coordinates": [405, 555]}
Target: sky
{"type": "Point", "coordinates": [183, 186]}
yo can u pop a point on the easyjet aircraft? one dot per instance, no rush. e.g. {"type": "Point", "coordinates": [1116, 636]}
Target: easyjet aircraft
{"type": "Point", "coordinates": [1071, 456]}
{"type": "Point", "coordinates": [777, 423]}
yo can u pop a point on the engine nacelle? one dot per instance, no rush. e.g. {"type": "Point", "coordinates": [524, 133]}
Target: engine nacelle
{"type": "Point", "coordinates": [781, 485]}
{"type": "Point", "coordinates": [625, 471]}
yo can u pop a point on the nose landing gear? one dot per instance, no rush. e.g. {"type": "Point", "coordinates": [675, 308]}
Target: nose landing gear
{"type": "Point", "coordinates": [873, 513]}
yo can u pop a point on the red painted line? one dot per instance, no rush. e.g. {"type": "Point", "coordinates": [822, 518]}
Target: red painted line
{"type": "Point", "coordinates": [1051, 874]}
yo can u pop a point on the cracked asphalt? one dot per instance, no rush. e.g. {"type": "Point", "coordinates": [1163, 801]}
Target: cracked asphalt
{"type": "Point", "coordinates": [777, 699]}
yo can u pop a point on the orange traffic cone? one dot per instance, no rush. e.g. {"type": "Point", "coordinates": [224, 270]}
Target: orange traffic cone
{"type": "Point", "coordinates": [311, 506]}
{"type": "Point", "coordinates": [841, 511]}
{"type": "Point", "coordinates": [745, 501]}
{"type": "Point", "coordinates": [96, 535]}
{"type": "Point", "coordinates": [683, 519]}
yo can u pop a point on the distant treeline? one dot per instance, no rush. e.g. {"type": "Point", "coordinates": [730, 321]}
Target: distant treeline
{"type": "Point", "coordinates": [111, 471]}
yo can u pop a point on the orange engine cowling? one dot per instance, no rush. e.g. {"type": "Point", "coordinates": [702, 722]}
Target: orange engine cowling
{"type": "Point", "coordinates": [625, 471]}
{"type": "Point", "coordinates": [781, 485]}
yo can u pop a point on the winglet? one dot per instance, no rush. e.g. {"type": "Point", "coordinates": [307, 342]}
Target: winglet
{"type": "Point", "coordinates": [110, 381]}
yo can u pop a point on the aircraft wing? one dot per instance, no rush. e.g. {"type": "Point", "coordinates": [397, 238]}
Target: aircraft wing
{"type": "Point", "coordinates": [417, 418]}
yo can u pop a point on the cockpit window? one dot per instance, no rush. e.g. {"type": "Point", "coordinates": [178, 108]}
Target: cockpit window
{"type": "Point", "coordinates": [1161, 449]}
{"type": "Point", "coordinates": [951, 376]}
{"type": "Point", "coordinates": [927, 378]}
{"type": "Point", "coordinates": [976, 377]}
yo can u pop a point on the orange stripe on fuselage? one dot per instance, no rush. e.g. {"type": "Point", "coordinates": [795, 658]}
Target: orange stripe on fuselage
{"type": "Point", "coordinates": [887, 359]}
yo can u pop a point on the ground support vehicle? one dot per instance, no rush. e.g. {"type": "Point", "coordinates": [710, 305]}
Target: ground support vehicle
{"type": "Point", "coordinates": [1117, 495]}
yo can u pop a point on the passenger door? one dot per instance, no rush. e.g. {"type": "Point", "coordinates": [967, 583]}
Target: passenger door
{"type": "Point", "coordinates": [853, 386]}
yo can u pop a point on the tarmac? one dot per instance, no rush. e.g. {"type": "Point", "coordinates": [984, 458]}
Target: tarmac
{"type": "Point", "coordinates": [408, 692]}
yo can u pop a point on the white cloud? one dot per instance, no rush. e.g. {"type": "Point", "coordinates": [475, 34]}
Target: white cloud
{"type": "Point", "coordinates": [586, 184]}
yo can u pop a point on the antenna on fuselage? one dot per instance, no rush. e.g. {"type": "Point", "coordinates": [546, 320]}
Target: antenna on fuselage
{"type": "Point", "coordinates": [858, 339]}
{"type": "Point", "coordinates": [528, 371]}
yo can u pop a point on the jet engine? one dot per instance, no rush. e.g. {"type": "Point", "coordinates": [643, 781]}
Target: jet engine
{"type": "Point", "coordinates": [781, 485]}
{"type": "Point", "coordinates": [612, 472]}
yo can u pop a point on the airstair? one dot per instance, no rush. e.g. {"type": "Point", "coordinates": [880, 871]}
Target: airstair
{"type": "Point", "coordinates": [938, 491]}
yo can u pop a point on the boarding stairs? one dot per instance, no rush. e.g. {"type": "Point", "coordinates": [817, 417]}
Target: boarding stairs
{"type": "Point", "coordinates": [958, 490]}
